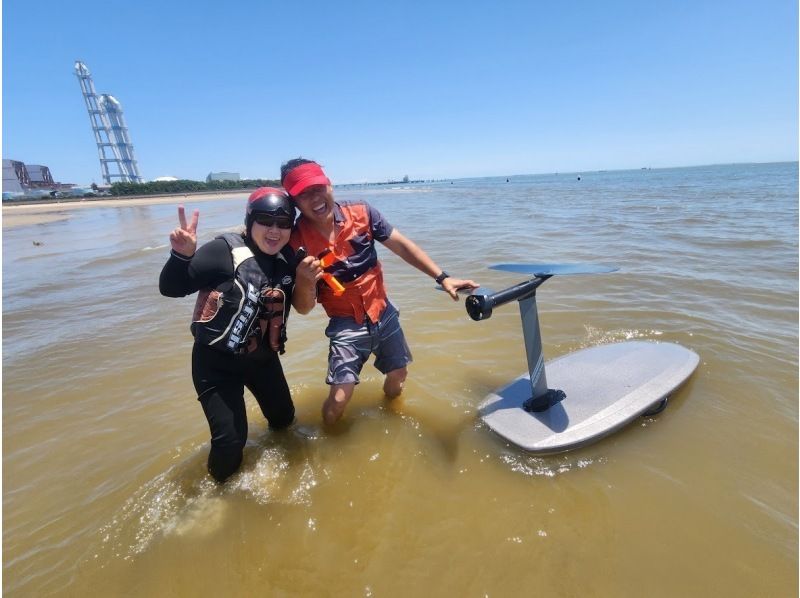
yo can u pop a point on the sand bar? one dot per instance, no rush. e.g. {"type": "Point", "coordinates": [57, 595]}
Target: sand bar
{"type": "Point", "coordinates": [24, 214]}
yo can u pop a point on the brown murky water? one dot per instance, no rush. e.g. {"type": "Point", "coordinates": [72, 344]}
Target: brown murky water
{"type": "Point", "coordinates": [104, 443]}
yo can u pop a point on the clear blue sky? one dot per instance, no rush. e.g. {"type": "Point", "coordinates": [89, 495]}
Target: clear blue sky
{"type": "Point", "coordinates": [378, 90]}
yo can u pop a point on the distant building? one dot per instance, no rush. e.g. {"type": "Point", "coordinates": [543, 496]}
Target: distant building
{"type": "Point", "coordinates": [15, 176]}
{"type": "Point", "coordinates": [222, 176]}
{"type": "Point", "coordinates": [40, 175]}
{"type": "Point", "coordinates": [29, 180]}
{"type": "Point", "coordinates": [162, 179]}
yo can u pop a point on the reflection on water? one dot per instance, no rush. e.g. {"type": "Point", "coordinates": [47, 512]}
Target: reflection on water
{"type": "Point", "coordinates": [104, 444]}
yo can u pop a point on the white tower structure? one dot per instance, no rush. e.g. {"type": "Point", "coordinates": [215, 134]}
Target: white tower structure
{"type": "Point", "coordinates": [114, 146]}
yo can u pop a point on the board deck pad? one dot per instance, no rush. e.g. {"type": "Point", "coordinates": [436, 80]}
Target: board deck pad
{"type": "Point", "coordinates": [606, 387]}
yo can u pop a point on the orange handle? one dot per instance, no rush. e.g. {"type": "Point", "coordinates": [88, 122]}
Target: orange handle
{"type": "Point", "coordinates": [334, 284]}
{"type": "Point", "coordinates": [326, 258]}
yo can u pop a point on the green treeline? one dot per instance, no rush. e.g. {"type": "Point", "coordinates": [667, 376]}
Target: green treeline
{"type": "Point", "coordinates": [186, 186]}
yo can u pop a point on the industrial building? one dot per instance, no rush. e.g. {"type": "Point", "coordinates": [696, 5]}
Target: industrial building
{"type": "Point", "coordinates": [222, 176]}
{"type": "Point", "coordinates": [15, 177]}
{"type": "Point", "coordinates": [40, 176]}
{"type": "Point", "coordinates": [22, 180]}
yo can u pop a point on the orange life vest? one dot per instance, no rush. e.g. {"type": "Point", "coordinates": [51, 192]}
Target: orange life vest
{"type": "Point", "coordinates": [356, 263]}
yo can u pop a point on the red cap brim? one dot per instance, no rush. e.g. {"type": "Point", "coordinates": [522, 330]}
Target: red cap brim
{"type": "Point", "coordinates": [304, 176]}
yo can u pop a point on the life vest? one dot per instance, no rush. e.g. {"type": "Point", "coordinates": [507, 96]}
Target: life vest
{"type": "Point", "coordinates": [355, 263]}
{"type": "Point", "coordinates": [236, 316]}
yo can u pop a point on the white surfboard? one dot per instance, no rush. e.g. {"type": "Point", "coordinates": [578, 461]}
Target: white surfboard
{"type": "Point", "coordinates": [581, 397]}
{"type": "Point", "coordinates": [604, 388]}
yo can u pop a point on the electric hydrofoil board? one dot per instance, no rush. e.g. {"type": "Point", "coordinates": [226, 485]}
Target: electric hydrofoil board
{"type": "Point", "coordinates": [584, 395]}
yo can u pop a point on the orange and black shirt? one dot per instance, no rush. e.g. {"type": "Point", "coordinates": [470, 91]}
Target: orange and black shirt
{"type": "Point", "coordinates": [358, 225]}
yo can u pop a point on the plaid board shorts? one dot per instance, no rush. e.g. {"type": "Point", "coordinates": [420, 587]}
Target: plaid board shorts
{"type": "Point", "coordinates": [352, 343]}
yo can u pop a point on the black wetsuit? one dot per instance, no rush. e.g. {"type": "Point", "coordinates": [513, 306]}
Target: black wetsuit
{"type": "Point", "coordinates": [220, 376]}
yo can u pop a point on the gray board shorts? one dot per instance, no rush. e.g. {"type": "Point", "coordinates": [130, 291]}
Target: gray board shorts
{"type": "Point", "coordinates": [352, 343]}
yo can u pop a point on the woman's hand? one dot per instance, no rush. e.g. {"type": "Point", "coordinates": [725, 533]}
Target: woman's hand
{"type": "Point", "coordinates": [309, 271]}
{"type": "Point", "coordinates": [184, 238]}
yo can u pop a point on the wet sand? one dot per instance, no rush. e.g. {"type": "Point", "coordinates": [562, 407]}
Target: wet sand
{"type": "Point", "coordinates": [25, 214]}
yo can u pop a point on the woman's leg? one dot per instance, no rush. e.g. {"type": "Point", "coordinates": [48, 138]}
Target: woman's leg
{"type": "Point", "coordinates": [221, 393]}
{"type": "Point", "coordinates": [265, 378]}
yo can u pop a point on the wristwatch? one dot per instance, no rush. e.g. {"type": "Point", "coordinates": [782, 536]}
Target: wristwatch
{"type": "Point", "coordinates": [440, 279]}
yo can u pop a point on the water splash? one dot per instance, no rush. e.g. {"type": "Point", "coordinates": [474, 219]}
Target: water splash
{"type": "Point", "coordinates": [167, 504]}
{"type": "Point", "coordinates": [548, 466]}
{"type": "Point", "coordinates": [596, 336]}
{"type": "Point", "coordinates": [276, 479]}
{"type": "Point", "coordinates": [184, 501]}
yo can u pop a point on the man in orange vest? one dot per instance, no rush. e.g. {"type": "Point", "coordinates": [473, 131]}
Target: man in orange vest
{"type": "Point", "coordinates": [362, 319]}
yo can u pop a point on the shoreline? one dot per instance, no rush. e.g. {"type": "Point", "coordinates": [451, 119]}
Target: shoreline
{"type": "Point", "coordinates": [26, 214]}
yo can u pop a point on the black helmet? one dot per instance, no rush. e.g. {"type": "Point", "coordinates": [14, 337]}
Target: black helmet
{"type": "Point", "coordinates": [268, 200]}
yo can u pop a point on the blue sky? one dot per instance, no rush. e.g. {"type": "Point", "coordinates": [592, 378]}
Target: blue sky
{"type": "Point", "coordinates": [379, 90]}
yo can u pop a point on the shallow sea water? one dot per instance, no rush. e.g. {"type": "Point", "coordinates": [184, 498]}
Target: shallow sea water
{"type": "Point", "coordinates": [104, 443]}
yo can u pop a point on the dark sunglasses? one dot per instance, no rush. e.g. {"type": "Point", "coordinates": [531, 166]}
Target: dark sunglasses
{"type": "Point", "coordinates": [269, 220]}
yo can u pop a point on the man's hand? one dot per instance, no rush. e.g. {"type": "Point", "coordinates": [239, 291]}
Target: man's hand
{"type": "Point", "coordinates": [453, 285]}
{"type": "Point", "coordinates": [184, 238]}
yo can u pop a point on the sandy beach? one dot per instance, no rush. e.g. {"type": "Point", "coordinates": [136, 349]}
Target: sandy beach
{"type": "Point", "coordinates": [24, 214]}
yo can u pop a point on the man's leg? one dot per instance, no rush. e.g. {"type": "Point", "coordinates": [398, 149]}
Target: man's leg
{"type": "Point", "coordinates": [394, 381]}
{"type": "Point", "coordinates": [350, 346]}
{"type": "Point", "coordinates": [338, 397]}
{"type": "Point", "coordinates": [392, 355]}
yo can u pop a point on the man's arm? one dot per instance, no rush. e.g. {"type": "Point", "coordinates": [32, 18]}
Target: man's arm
{"type": "Point", "coordinates": [411, 253]}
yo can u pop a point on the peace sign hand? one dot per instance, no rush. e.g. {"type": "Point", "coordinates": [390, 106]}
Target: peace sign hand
{"type": "Point", "coordinates": [184, 238]}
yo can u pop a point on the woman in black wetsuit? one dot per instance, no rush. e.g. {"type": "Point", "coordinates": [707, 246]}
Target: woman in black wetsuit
{"type": "Point", "coordinates": [246, 283]}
